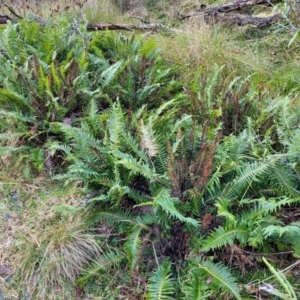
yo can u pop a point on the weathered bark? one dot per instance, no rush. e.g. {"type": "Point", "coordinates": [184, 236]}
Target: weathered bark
{"type": "Point", "coordinates": [4, 19]}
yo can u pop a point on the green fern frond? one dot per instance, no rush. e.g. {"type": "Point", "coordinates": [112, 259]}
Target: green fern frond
{"type": "Point", "coordinates": [132, 143]}
{"type": "Point", "coordinates": [163, 107]}
{"type": "Point", "coordinates": [272, 230]}
{"type": "Point", "coordinates": [145, 92]}
{"type": "Point", "coordinates": [274, 204]}
{"type": "Point", "coordinates": [288, 116]}
{"type": "Point", "coordinates": [109, 74]}
{"type": "Point", "coordinates": [223, 206]}
{"type": "Point", "coordinates": [221, 237]}
{"type": "Point", "coordinates": [246, 176]}
{"type": "Point", "coordinates": [111, 218]}
{"type": "Point", "coordinates": [116, 193]}
{"type": "Point", "coordinates": [295, 246]}
{"type": "Point", "coordinates": [115, 125]}
{"type": "Point", "coordinates": [164, 201]}
{"type": "Point", "coordinates": [137, 167]}
{"type": "Point", "coordinates": [256, 236]}
{"type": "Point", "coordinates": [17, 115]}
{"type": "Point", "coordinates": [145, 220]}
{"type": "Point", "coordinates": [10, 150]}
{"type": "Point", "coordinates": [161, 285]}
{"type": "Point", "coordinates": [11, 98]}
{"type": "Point", "coordinates": [283, 176]}
{"type": "Point", "coordinates": [105, 261]}
{"type": "Point", "coordinates": [221, 276]}
{"type": "Point", "coordinates": [133, 245]}
{"type": "Point", "coordinates": [294, 146]}
{"type": "Point", "coordinates": [83, 170]}
{"type": "Point", "coordinates": [196, 288]}
{"type": "Point", "coordinates": [211, 85]}
{"type": "Point", "coordinates": [138, 196]}
{"type": "Point", "coordinates": [232, 149]}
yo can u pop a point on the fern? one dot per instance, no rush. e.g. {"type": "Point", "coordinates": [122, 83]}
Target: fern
{"type": "Point", "coordinates": [133, 245]}
{"type": "Point", "coordinates": [195, 287]}
{"type": "Point", "coordinates": [282, 230]}
{"type": "Point", "coordinates": [110, 73]}
{"type": "Point", "coordinates": [163, 201]}
{"type": "Point", "coordinates": [222, 278]}
{"type": "Point", "coordinates": [221, 237]}
{"type": "Point", "coordinates": [115, 125]}
{"type": "Point", "coordinates": [105, 261]}
{"type": "Point", "coordinates": [246, 177]}
{"type": "Point", "coordinates": [161, 285]}
{"type": "Point", "coordinates": [148, 141]}
{"type": "Point", "coordinates": [111, 218]}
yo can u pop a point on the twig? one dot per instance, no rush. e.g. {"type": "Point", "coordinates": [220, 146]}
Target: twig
{"type": "Point", "coordinates": [13, 11]}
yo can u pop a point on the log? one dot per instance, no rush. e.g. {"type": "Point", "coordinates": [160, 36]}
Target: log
{"type": "Point", "coordinates": [129, 27]}
{"type": "Point", "coordinates": [238, 4]}
{"type": "Point", "coordinates": [4, 19]}
{"type": "Point", "coordinates": [242, 20]}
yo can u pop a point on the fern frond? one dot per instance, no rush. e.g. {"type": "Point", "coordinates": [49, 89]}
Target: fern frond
{"type": "Point", "coordinates": [13, 99]}
{"type": "Point", "coordinates": [134, 146]}
{"type": "Point", "coordinates": [84, 170]}
{"type": "Point", "coordinates": [167, 203]}
{"type": "Point", "coordinates": [196, 288]}
{"type": "Point", "coordinates": [104, 262]}
{"type": "Point", "coordinates": [111, 218]}
{"type": "Point", "coordinates": [133, 245]}
{"type": "Point", "coordinates": [256, 236]}
{"type": "Point", "coordinates": [248, 174]}
{"type": "Point", "coordinates": [222, 278]}
{"type": "Point", "coordinates": [17, 115]}
{"type": "Point", "coordinates": [146, 91]}
{"type": "Point", "coordinates": [115, 125]}
{"type": "Point", "coordinates": [221, 237]}
{"type": "Point", "coordinates": [109, 74]}
{"type": "Point", "coordinates": [283, 177]}
{"type": "Point", "coordinates": [163, 107]}
{"type": "Point", "coordinates": [148, 141]}
{"type": "Point", "coordinates": [272, 230]}
{"type": "Point", "coordinates": [10, 150]}
{"type": "Point", "coordinates": [137, 167]}
{"type": "Point", "coordinates": [161, 285]}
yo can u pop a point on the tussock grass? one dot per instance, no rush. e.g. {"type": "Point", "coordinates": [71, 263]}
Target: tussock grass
{"type": "Point", "coordinates": [44, 242]}
{"type": "Point", "coordinates": [42, 9]}
{"type": "Point", "coordinates": [103, 11]}
{"type": "Point", "coordinates": [198, 45]}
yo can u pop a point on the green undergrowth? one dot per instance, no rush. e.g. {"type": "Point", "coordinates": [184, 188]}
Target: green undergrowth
{"type": "Point", "coordinates": [148, 166]}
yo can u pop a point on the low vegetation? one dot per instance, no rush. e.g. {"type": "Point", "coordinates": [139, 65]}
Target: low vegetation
{"type": "Point", "coordinates": [147, 166]}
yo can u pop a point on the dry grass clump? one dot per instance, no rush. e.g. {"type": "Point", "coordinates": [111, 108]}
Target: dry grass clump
{"type": "Point", "coordinates": [102, 11]}
{"type": "Point", "coordinates": [94, 10]}
{"type": "Point", "coordinates": [40, 8]}
{"type": "Point", "coordinates": [198, 45]}
{"type": "Point", "coordinates": [44, 243]}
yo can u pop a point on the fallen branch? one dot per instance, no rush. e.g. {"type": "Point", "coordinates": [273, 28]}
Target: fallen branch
{"type": "Point", "coordinates": [13, 11]}
{"type": "Point", "coordinates": [241, 20]}
{"type": "Point", "coordinates": [129, 27]}
{"type": "Point", "coordinates": [226, 8]}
